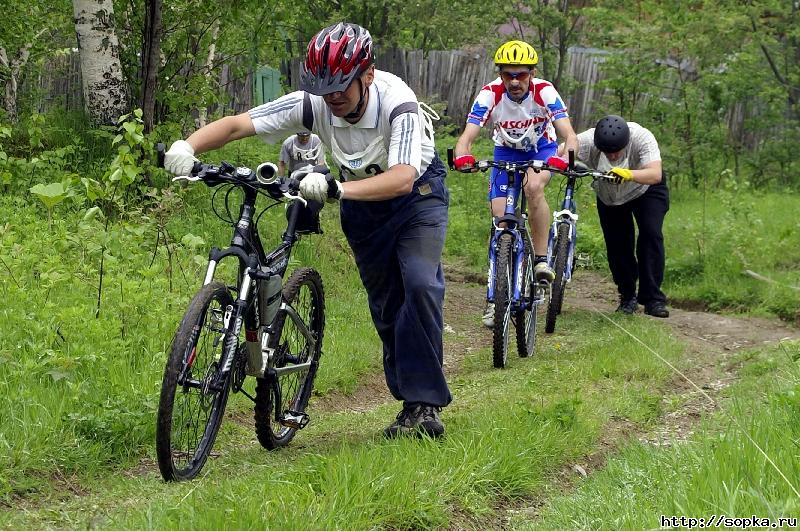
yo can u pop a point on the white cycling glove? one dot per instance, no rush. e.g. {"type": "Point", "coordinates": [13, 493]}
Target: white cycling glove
{"type": "Point", "coordinates": [180, 158]}
{"type": "Point", "coordinates": [319, 187]}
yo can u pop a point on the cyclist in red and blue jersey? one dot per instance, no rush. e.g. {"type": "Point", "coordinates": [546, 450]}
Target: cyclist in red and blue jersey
{"type": "Point", "coordinates": [527, 116]}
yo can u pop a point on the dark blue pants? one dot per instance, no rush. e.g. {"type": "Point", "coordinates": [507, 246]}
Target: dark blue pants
{"type": "Point", "coordinates": [647, 263]}
{"type": "Point", "coordinates": [397, 245]}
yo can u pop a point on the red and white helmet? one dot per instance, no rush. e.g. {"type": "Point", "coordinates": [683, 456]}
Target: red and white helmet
{"type": "Point", "coordinates": [335, 57]}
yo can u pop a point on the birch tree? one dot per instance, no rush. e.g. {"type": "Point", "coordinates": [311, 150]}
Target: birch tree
{"type": "Point", "coordinates": [104, 89]}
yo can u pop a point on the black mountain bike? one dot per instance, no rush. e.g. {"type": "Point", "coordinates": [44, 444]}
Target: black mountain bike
{"type": "Point", "coordinates": [283, 327]}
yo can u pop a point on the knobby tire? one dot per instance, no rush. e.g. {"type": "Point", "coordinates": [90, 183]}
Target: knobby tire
{"type": "Point", "coordinates": [502, 299]}
{"type": "Point", "coordinates": [189, 416]}
{"type": "Point", "coordinates": [303, 292]}
{"type": "Point", "coordinates": [559, 283]}
{"type": "Point", "coordinates": [525, 319]}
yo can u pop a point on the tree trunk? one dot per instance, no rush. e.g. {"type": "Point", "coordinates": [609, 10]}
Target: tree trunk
{"type": "Point", "coordinates": [10, 97]}
{"type": "Point", "coordinates": [14, 68]}
{"type": "Point", "coordinates": [103, 86]}
{"type": "Point", "coordinates": [151, 58]}
{"type": "Point", "coordinates": [202, 112]}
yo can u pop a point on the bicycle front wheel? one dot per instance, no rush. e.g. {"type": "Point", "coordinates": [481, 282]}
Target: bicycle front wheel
{"type": "Point", "coordinates": [192, 401]}
{"type": "Point", "coordinates": [560, 283]}
{"type": "Point", "coordinates": [525, 318]}
{"type": "Point", "coordinates": [281, 400]}
{"type": "Point", "coordinates": [503, 287]}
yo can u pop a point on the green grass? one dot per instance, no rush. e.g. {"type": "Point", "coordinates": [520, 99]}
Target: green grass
{"type": "Point", "coordinates": [712, 241]}
{"type": "Point", "coordinates": [509, 432]}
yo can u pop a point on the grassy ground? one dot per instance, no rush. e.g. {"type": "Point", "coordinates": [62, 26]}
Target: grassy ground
{"type": "Point", "coordinates": [508, 433]}
{"type": "Point", "coordinates": [721, 470]}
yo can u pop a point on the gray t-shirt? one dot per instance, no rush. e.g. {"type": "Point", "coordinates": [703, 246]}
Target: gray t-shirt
{"type": "Point", "coordinates": [296, 155]}
{"type": "Point", "coordinates": [642, 150]}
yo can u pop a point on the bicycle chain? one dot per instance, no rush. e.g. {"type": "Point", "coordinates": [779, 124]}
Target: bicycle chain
{"type": "Point", "coordinates": [239, 367]}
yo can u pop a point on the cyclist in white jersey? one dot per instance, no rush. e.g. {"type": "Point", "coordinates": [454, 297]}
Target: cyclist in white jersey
{"type": "Point", "coordinates": [299, 151]}
{"type": "Point", "coordinates": [392, 195]}
{"type": "Point", "coordinates": [526, 113]}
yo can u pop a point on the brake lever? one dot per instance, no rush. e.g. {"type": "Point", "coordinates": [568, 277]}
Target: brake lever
{"type": "Point", "coordinates": [189, 178]}
{"type": "Point", "coordinates": [287, 195]}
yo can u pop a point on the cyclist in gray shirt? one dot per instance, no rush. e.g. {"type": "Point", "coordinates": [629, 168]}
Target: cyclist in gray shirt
{"type": "Point", "coordinates": [300, 150]}
{"type": "Point", "coordinates": [630, 152]}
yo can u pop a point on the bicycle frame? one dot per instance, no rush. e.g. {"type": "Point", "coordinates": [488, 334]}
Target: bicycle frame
{"type": "Point", "coordinates": [254, 264]}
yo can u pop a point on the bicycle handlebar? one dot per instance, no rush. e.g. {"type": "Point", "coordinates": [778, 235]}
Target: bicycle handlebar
{"type": "Point", "coordinates": [264, 177]}
{"type": "Point", "coordinates": [574, 168]}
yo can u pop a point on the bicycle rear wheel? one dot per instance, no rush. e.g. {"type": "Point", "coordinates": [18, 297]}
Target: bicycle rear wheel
{"type": "Point", "coordinates": [502, 300]}
{"type": "Point", "coordinates": [525, 319]}
{"type": "Point", "coordinates": [559, 284]}
{"type": "Point", "coordinates": [281, 400]}
{"type": "Point", "coordinates": [191, 409]}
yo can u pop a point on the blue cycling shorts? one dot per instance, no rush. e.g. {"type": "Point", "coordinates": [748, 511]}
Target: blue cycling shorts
{"type": "Point", "coordinates": [498, 179]}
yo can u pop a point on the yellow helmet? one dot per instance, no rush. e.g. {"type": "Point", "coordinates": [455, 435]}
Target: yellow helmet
{"type": "Point", "coordinates": [516, 53]}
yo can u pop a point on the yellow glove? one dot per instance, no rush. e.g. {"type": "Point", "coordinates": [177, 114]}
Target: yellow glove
{"type": "Point", "coordinates": [621, 174]}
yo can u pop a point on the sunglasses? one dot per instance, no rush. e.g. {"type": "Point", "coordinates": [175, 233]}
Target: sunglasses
{"type": "Point", "coordinates": [519, 76]}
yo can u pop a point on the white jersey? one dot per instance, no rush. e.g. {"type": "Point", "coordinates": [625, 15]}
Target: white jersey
{"type": "Point", "coordinates": [296, 155]}
{"type": "Point", "coordinates": [642, 149]}
{"type": "Point", "coordinates": [525, 125]}
{"type": "Point", "coordinates": [389, 133]}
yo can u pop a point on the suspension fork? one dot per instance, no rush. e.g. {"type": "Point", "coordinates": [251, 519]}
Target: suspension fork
{"type": "Point", "coordinates": [232, 325]}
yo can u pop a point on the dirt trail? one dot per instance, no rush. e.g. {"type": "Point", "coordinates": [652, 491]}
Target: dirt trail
{"type": "Point", "coordinates": [711, 339]}
{"type": "Point", "coordinates": [711, 336]}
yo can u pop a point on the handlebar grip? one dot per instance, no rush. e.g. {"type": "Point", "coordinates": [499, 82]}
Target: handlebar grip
{"type": "Point", "coordinates": [450, 155]}
{"type": "Point", "coordinates": [197, 167]}
{"type": "Point", "coordinates": [571, 158]}
{"type": "Point", "coordinates": [160, 150]}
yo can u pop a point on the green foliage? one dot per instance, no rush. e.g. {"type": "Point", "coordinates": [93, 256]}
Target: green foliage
{"type": "Point", "coordinates": [716, 102]}
{"type": "Point", "coordinates": [51, 195]}
{"type": "Point", "coordinates": [133, 148]}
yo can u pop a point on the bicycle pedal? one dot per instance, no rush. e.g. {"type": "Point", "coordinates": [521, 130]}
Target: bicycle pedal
{"type": "Point", "coordinates": [583, 260]}
{"type": "Point", "coordinates": [294, 420]}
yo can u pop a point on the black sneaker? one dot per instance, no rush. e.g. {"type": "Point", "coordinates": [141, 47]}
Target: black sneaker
{"type": "Point", "coordinates": [627, 306]}
{"type": "Point", "coordinates": [416, 420]}
{"type": "Point", "coordinates": [656, 309]}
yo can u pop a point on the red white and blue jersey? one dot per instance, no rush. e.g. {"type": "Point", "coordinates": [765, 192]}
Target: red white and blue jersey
{"type": "Point", "coordinates": [525, 125]}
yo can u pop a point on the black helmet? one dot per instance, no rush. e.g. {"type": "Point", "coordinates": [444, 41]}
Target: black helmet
{"type": "Point", "coordinates": [611, 134]}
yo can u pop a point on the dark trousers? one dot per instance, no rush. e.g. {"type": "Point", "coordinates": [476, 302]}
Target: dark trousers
{"type": "Point", "coordinates": [398, 245]}
{"type": "Point", "coordinates": [646, 264]}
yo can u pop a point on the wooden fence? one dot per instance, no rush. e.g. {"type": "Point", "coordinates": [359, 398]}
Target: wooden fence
{"type": "Point", "coordinates": [449, 78]}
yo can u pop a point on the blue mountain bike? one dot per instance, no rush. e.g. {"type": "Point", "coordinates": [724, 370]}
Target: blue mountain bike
{"type": "Point", "coordinates": [563, 236]}
{"type": "Point", "coordinates": [511, 286]}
